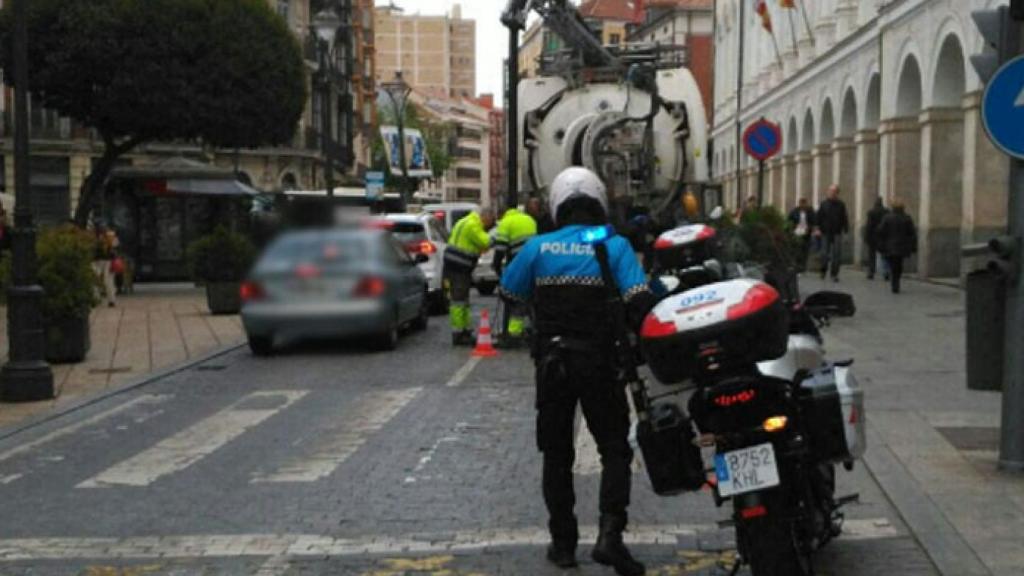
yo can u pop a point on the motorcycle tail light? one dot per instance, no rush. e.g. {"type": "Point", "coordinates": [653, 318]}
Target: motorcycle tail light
{"type": "Point", "coordinates": [775, 423]}
{"type": "Point", "coordinates": [655, 328]}
{"type": "Point", "coordinates": [754, 512]}
{"type": "Point", "coordinates": [251, 291]}
{"type": "Point", "coordinates": [759, 297]}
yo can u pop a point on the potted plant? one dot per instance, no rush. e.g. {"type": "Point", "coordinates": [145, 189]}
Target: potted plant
{"type": "Point", "coordinates": [65, 255]}
{"type": "Point", "coordinates": [220, 261]}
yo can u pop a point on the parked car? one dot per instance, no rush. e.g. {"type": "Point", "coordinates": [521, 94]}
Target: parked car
{"type": "Point", "coordinates": [334, 283]}
{"type": "Point", "coordinates": [423, 235]}
{"type": "Point", "coordinates": [484, 278]}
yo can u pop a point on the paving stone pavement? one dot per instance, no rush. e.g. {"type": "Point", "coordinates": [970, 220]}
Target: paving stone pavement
{"type": "Point", "coordinates": [439, 475]}
{"type": "Point", "coordinates": [157, 326]}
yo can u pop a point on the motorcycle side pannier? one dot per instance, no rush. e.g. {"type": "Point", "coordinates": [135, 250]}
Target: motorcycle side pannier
{"type": "Point", "coordinates": [684, 247]}
{"type": "Point", "coordinates": [673, 462]}
{"type": "Point", "coordinates": [723, 325]}
{"type": "Point", "coordinates": [832, 406]}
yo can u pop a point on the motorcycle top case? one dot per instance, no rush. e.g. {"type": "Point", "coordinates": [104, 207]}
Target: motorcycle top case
{"type": "Point", "coordinates": [723, 325]}
{"type": "Point", "coordinates": [832, 406]}
{"type": "Point", "coordinates": [684, 247]}
{"type": "Point", "coordinates": [674, 463]}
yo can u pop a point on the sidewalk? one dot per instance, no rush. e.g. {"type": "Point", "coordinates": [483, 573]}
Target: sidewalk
{"type": "Point", "coordinates": [932, 444]}
{"type": "Point", "coordinates": [154, 328]}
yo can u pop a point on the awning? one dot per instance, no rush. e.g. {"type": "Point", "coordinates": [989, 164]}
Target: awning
{"type": "Point", "coordinates": [210, 187]}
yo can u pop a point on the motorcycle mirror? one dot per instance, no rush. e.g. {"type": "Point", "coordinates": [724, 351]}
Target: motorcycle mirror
{"type": "Point", "coordinates": [671, 283]}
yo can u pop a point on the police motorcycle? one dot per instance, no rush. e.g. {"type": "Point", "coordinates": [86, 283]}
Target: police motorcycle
{"type": "Point", "coordinates": [776, 413]}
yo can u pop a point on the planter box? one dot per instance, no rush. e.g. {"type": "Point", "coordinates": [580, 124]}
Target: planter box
{"type": "Point", "coordinates": [224, 297]}
{"type": "Point", "coordinates": [67, 340]}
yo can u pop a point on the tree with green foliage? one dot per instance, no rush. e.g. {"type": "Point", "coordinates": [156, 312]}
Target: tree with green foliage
{"type": "Point", "coordinates": [225, 73]}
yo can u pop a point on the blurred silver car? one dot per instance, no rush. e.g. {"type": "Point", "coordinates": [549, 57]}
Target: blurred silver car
{"type": "Point", "coordinates": [321, 284]}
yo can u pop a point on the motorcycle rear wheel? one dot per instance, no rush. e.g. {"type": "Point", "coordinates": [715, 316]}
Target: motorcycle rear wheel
{"type": "Point", "coordinates": [769, 547]}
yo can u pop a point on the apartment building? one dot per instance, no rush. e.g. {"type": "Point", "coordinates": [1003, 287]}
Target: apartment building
{"type": "Point", "coordinates": [468, 178]}
{"type": "Point", "coordinates": [434, 53]}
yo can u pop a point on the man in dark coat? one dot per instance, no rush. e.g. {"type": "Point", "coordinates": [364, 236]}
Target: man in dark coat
{"type": "Point", "coordinates": [833, 222]}
{"type": "Point", "coordinates": [801, 222]}
{"type": "Point", "coordinates": [897, 239]}
{"type": "Point", "coordinates": [535, 208]}
{"type": "Point", "coordinates": [875, 216]}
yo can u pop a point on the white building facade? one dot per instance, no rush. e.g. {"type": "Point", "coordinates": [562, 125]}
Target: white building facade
{"type": "Point", "coordinates": [876, 96]}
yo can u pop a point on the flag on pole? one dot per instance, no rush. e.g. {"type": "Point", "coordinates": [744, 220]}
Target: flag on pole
{"type": "Point", "coordinates": [766, 16]}
{"type": "Point", "coordinates": [787, 3]}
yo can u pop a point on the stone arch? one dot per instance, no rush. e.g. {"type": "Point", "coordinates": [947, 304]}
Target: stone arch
{"type": "Point", "coordinates": [289, 181]}
{"type": "Point", "coordinates": [873, 103]}
{"type": "Point", "coordinates": [828, 124]}
{"type": "Point", "coordinates": [792, 139]}
{"type": "Point", "coordinates": [909, 96]}
{"type": "Point", "coordinates": [848, 115]}
{"type": "Point", "coordinates": [950, 77]}
{"type": "Point", "coordinates": [807, 134]}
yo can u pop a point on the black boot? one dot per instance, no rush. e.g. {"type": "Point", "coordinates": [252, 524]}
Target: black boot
{"type": "Point", "coordinates": [611, 551]}
{"type": "Point", "coordinates": [562, 554]}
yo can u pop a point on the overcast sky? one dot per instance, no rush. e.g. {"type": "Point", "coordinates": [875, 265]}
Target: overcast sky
{"type": "Point", "coordinates": [491, 36]}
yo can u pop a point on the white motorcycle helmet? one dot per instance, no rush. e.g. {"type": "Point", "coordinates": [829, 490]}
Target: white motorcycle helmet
{"type": "Point", "coordinates": [576, 182]}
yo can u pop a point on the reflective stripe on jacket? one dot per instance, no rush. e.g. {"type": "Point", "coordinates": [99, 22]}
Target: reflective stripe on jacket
{"type": "Point", "coordinates": [467, 241]}
{"type": "Point", "coordinates": [514, 230]}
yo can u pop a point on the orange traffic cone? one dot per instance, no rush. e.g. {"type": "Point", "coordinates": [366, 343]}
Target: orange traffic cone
{"type": "Point", "coordinates": [484, 343]}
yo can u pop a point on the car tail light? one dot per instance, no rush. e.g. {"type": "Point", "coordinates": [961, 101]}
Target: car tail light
{"type": "Point", "coordinates": [439, 215]}
{"type": "Point", "coordinates": [655, 328]}
{"type": "Point", "coordinates": [424, 247]}
{"type": "Point", "coordinates": [758, 297]}
{"type": "Point", "coordinates": [370, 287]}
{"type": "Point", "coordinates": [379, 224]}
{"type": "Point", "coordinates": [251, 291]}
{"type": "Point", "coordinates": [307, 271]}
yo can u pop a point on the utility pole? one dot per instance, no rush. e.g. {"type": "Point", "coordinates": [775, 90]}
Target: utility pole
{"type": "Point", "coordinates": [26, 377]}
{"type": "Point", "coordinates": [514, 25]}
{"type": "Point", "coordinates": [1001, 68]}
{"type": "Point", "coordinates": [739, 105]}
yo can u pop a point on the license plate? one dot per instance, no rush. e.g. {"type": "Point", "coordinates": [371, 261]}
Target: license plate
{"type": "Point", "coordinates": [746, 470]}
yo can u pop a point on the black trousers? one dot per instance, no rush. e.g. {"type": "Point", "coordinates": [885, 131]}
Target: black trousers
{"type": "Point", "coordinates": [895, 271]}
{"type": "Point", "coordinates": [872, 261]}
{"type": "Point", "coordinates": [565, 379]}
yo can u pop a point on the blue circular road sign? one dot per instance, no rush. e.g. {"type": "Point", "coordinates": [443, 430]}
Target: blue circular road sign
{"type": "Point", "coordinates": [762, 140]}
{"type": "Point", "coordinates": [1002, 109]}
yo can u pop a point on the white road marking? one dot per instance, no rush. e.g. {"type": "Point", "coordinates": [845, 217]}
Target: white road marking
{"type": "Point", "coordinates": [463, 372]}
{"type": "Point", "coordinates": [369, 414]}
{"type": "Point", "coordinates": [274, 566]}
{"type": "Point", "coordinates": [429, 455]}
{"type": "Point", "coordinates": [279, 548]}
{"type": "Point", "coordinates": [72, 428]}
{"type": "Point", "coordinates": [194, 443]}
{"type": "Point", "coordinates": [588, 461]}
{"type": "Point", "coordinates": [4, 480]}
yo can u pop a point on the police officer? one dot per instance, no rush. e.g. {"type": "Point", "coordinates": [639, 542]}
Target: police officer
{"type": "Point", "coordinates": [559, 274]}
{"type": "Point", "coordinates": [468, 240]}
{"type": "Point", "coordinates": [514, 229]}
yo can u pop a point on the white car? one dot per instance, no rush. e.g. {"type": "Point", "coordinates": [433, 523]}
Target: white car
{"type": "Point", "coordinates": [423, 235]}
{"type": "Point", "coordinates": [449, 213]}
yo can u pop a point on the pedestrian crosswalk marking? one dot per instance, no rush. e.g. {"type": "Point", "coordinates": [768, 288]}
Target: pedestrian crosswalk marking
{"type": "Point", "coordinates": [279, 547]}
{"type": "Point", "coordinates": [72, 428]}
{"type": "Point", "coordinates": [369, 414]}
{"type": "Point", "coordinates": [194, 443]}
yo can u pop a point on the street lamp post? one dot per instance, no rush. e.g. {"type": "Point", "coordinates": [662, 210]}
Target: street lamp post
{"type": "Point", "coordinates": [398, 103]}
{"type": "Point", "coordinates": [26, 376]}
{"type": "Point", "coordinates": [325, 24]}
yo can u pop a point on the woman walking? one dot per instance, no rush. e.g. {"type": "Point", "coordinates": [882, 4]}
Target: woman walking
{"type": "Point", "coordinates": [897, 239]}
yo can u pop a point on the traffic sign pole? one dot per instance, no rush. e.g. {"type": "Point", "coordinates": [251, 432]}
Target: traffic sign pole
{"type": "Point", "coordinates": [760, 183]}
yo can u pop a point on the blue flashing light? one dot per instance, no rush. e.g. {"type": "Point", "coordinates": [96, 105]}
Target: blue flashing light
{"type": "Point", "coordinates": [596, 235]}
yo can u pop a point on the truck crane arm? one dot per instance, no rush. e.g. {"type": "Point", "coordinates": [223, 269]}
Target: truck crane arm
{"type": "Point", "coordinates": [562, 18]}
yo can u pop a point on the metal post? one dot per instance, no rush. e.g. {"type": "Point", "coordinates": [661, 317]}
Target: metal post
{"type": "Point", "coordinates": [512, 119]}
{"type": "Point", "coordinates": [325, 116]}
{"type": "Point", "coordinates": [760, 183]}
{"type": "Point", "coordinates": [26, 376]}
{"type": "Point", "coordinates": [739, 107]}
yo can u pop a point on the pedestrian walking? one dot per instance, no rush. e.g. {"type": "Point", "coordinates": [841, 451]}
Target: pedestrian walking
{"type": "Point", "coordinates": [468, 240]}
{"type": "Point", "coordinates": [897, 239]}
{"type": "Point", "coordinates": [107, 245]}
{"type": "Point", "coordinates": [875, 216]}
{"type": "Point", "coordinates": [514, 229]}
{"type": "Point", "coordinates": [560, 275]}
{"type": "Point", "coordinates": [535, 208]}
{"type": "Point", "coordinates": [802, 222]}
{"type": "Point", "coordinates": [832, 222]}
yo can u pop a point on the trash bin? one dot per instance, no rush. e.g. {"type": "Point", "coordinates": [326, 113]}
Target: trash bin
{"type": "Point", "coordinates": [986, 322]}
